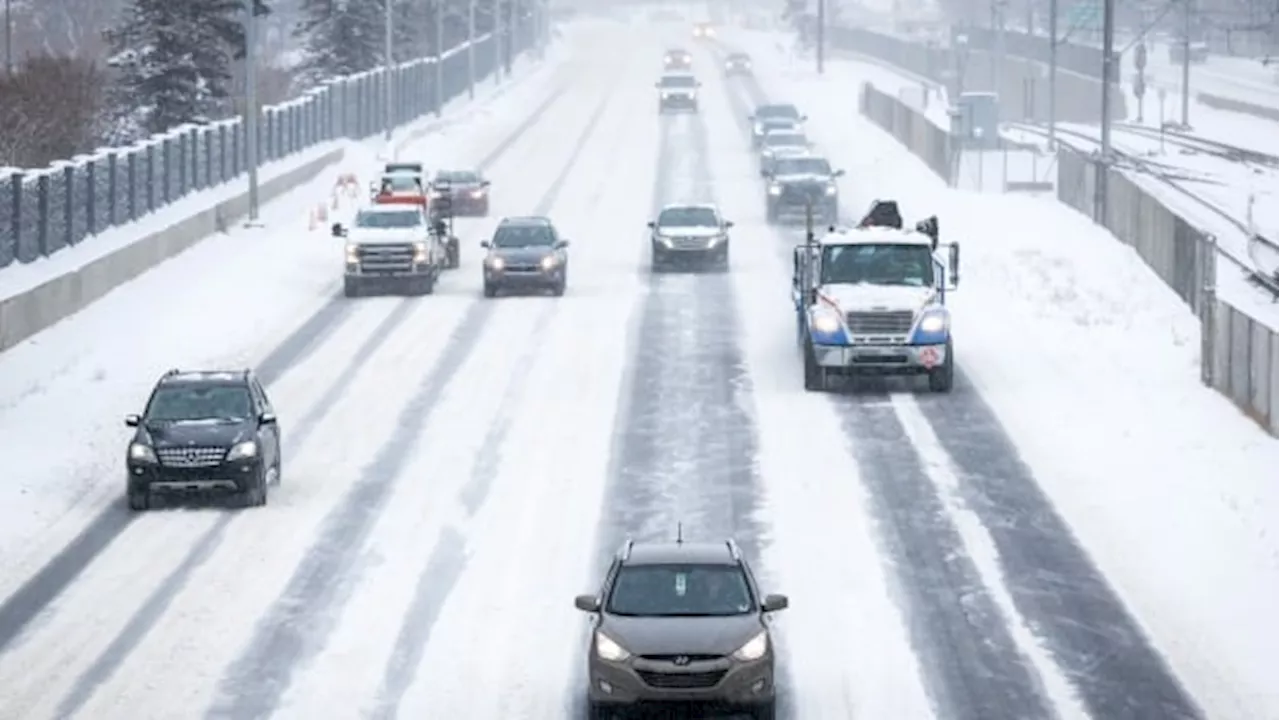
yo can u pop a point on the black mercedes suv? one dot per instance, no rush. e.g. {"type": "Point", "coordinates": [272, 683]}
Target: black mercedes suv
{"type": "Point", "coordinates": [680, 624]}
{"type": "Point", "coordinates": [204, 433]}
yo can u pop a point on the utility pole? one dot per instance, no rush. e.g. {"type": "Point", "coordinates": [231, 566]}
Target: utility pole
{"type": "Point", "coordinates": [8, 38]}
{"type": "Point", "coordinates": [497, 41]}
{"type": "Point", "coordinates": [471, 49]}
{"type": "Point", "coordinates": [822, 35]}
{"type": "Point", "coordinates": [388, 47]}
{"type": "Point", "coordinates": [1108, 71]}
{"type": "Point", "coordinates": [439, 83]}
{"type": "Point", "coordinates": [511, 36]}
{"type": "Point", "coordinates": [1053, 75]}
{"type": "Point", "coordinates": [998, 8]}
{"type": "Point", "coordinates": [1186, 63]}
{"type": "Point", "coordinates": [250, 121]}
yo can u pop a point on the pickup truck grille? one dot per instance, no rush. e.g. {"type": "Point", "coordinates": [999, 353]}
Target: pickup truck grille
{"type": "Point", "coordinates": [880, 322]}
{"type": "Point", "coordinates": [802, 194]}
{"type": "Point", "coordinates": [191, 457]}
{"type": "Point", "coordinates": [385, 259]}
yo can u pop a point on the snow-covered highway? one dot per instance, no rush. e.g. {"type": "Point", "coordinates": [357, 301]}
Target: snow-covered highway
{"type": "Point", "coordinates": [457, 468]}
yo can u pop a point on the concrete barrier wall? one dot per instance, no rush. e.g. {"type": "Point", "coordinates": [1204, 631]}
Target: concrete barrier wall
{"type": "Point", "coordinates": [1022, 83]}
{"type": "Point", "coordinates": [1232, 105]}
{"type": "Point", "coordinates": [27, 313]}
{"type": "Point", "coordinates": [1238, 354]}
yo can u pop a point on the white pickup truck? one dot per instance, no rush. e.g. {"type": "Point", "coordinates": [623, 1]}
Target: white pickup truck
{"type": "Point", "coordinates": [390, 248]}
{"type": "Point", "coordinates": [871, 300]}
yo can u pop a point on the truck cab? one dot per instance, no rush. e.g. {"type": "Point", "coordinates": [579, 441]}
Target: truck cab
{"type": "Point", "coordinates": [391, 248]}
{"type": "Point", "coordinates": [872, 300]}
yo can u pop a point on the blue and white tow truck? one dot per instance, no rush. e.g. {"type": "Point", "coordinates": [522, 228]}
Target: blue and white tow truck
{"type": "Point", "coordinates": [872, 300]}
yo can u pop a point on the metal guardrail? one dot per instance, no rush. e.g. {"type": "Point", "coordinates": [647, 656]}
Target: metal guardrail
{"type": "Point", "coordinates": [45, 211]}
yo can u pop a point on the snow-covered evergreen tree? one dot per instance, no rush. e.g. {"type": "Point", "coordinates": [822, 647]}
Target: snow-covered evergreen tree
{"type": "Point", "coordinates": [340, 37]}
{"type": "Point", "coordinates": [173, 61]}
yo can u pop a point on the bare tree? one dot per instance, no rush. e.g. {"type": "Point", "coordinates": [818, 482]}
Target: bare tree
{"type": "Point", "coordinates": [49, 110]}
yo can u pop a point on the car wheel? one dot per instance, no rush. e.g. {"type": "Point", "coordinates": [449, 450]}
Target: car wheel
{"type": "Point", "coordinates": [942, 379]}
{"type": "Point", "coordinates": [599, 711]}
{"type": "Point", "coordinates": [490, 290]}
{"type": "Point", "coordinates": [256, 494]}
{"type": "Point", "coordinates": [559, 287]}
{"type": "Point", "coordinates": [658, 263]}
{"type": "Point", "coordinates": [351, 287]}
{"type": "Point", "coordinates": [139, 500]}
{"type": "Point", "coordinates": [278, 474]}
{"type": "Point", "coordinates": [815, 379]}
{"type": "Point", "coordinates": [767, 711]}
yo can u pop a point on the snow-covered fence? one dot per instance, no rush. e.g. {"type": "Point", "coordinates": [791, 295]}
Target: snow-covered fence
{"type": "Point", "coordinates": [1022, 83]}
{"type": "Point", "coordinates": [911, 128]}
{"type": "Point", "coordinates": [44, 211]}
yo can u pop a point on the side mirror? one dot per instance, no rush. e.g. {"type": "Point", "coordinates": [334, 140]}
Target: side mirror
{"type": "Point", "coordinates": [955, 264]}
{"type": "Point", "coordinates": [267, 418]}
{"type": "Point", "coordinates": [728, 224]}
{"type": "Point", "coordinates": [562, 244]}
{"type": "Point", "coordinates": [764, 172]}
{"type": "Point", "coordinates": [587, 603]}
{"type": "Point", "coordinates": [804, 118]}
{"type": "Point", "coordinates": [651, 225]}
{"type": "Point", "coordinates": [838, 173]}
{"type": "Point", "coordinates": [485, 183]}
{"type": "Point", "coordinates": [774, 603]}
{"type": "Point", "coordinates": [485, 244]}
{"type": "Point", "coordinates": [698, 84]}
{"type": "Point", "coordinates": [132, 420]}
{"type": "Point", "coordinates": [338, 230]}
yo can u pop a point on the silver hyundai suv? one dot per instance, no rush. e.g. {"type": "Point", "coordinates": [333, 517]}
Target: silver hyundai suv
{"type": "Point", "coordinates": [684, 624]}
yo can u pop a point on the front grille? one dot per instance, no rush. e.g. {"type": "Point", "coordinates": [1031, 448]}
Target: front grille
{"type": "Point", "coordinates": [689, 658]}
{"type": "Point", "coordinates": [192, 457]}
{"type": "Point", "coordinates": [882, 322]}
{"type": "Point", "coordinates": [522, 267]}
{"type": "Point", "coordinates": [803, 195]}
{"type": "Point", "coordinates": [682, 681]}
{"type": "Point", "coordinates": [689, 243]}
{"type": "Point", "coordinates": [385, 259]}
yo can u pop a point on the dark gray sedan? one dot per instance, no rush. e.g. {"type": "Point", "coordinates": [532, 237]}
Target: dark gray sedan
{"type": "Point", "coordinates": [526, 253]}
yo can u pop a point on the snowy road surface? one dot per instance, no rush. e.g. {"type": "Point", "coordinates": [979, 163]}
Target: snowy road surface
{"type": "Point", "coordinates": [456, 470]}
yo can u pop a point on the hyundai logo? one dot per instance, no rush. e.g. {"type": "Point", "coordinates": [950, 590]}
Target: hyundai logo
{"type": "Point", "coordinates": [681, 660]}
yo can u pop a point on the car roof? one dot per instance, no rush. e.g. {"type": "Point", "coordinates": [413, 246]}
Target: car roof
{"type": "Point", "coordinates": [526, 221]}
{"type": "Point", "coordinates": [677, 50]}
{"type": "Point", "coordinates": [696, 553]}
{"type": "Point", "coordinates": [687, 206]}
{"type": "Point", "coordinates": [204, 377]}
{"type": "Point", "coordinates": [381, 208]}
{"type": "Point", "coordinates": [737, 54]}
{"type": "Point", "coordinates": [875, 235]}
{"type": "Point", "coordinates": [777, 106]}
{"type": "Point", "coordinates": [678, 74]}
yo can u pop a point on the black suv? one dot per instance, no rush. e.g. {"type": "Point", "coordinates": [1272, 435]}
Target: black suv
{"type": "Point", "coordinates": [681, 623]}
{"type": "Point", "coordinates": [207, 432]}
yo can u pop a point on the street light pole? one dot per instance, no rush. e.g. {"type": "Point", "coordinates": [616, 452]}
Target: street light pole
{"type": "Point", "coordinates": [471, 49]}
{"type": "Point", "coordinates": [1108, 71]}
{"type": "Point", "coordinates": [1186, 63]}
{"type": "Point", "coordinates": [8, 37]}
{"type": "Point", "coordinates": [250, 122]}
{"type": "Point", "coordinates": [496, 36]}
{"type": "Point", "coordinates": [388, 47]}
{"type": "Point", "coordinates": [821, 35]}
{"type": "Point", "coordinates": [439, 84]}
{"type": "Point", "coordinates": [1053, 75]}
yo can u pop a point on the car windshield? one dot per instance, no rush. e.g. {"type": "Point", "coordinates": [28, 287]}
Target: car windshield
{"type": "Point", "coordinates": [784, 139]}
{"type": "Point", "coordinates": [801, 166]}
{"type": "Point", "coordinates": [688, 217]}
{"type": "Point", "coordinates": [878, 264]}
{"type": "Point", "coordinates": [678, 81]}
{"type": "Point", "coordinates": [513, 236]}
{"type": "Point", "coordinates": [778, 111]}
{"type": "Point", "coordinates": [461, 177]}
{"type": "Point", "coordinates": [778, 124]}
{"type": "Point", "coordinates": [401, 183]}
{"type": "Point", "coordinates": [680, 591]}
{"type": "Point", "coordinates": [738, 57]}
{"type": "Point", "coordinates": [384, 219]}
{"type": "Point", "coordinates": [177, 403]}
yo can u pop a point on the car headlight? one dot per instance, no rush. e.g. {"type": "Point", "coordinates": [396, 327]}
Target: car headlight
{"type": "Point", "coordinates": [825, 320]}
{"type": "Point", "coordinates": [775, 189]}
{"type": "Point", "coordinates": [759, 128]}
{"type": "Point", "coordinates": [495, 262]}
{"type": "Point", "coordinates": [142, 453]}
{"type": "Point", "coordinates": [549, 262]}
{"type": "Point", "coordinates": [609, 650]}
{"type": "Point", "coordinates": [832, 189]}
{"type": "Point", "coordinates": [753, 649]}
{"type": "Point", "coordinates": [933, 323]}
{"type": "Point", "coordinates": [477, 193]}
{"type": "Point", "coordinates": [665, 240]}
{"type": "Point", "coordinates": [352, 254]}
{"type": "Point", "coordinates": [419, 252]}
{"type": "Point", "coordinates": [243, 451]}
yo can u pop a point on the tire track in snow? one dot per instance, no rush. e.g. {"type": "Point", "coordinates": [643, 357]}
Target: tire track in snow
{"type": "Point", "coordinates": [1051, 579]}
{"type": "Point", "coordinates": [685, 449]}
{"type": "Point", "coordinates": [25, 604]}
{"type": "Point", "coordinates": [299, 622]}
{"type": "Point", "coordinates": [447, 562]}
{"type": "Point", "coordinates": [972, 666]}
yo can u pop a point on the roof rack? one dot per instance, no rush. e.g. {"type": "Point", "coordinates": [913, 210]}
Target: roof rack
{"type": "Point", "coordinates": [171, 372]}
{"type": "Point", "coordinates": [624, 553]}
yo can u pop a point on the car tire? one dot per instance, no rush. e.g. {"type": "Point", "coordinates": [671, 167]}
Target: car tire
{"type": "Point", "coordinates": [658, 260]}
{"type": "Point", "coordinates": [942, 379]}
{"type": "Point", "coordinates": [599, 711]}
{"type": "Point", "coordinates": [455, 255]}
{"type": "Point", "coordinates": [559, 288]}
{"type": "Point", "coordinates": [815, 378]}
{"type": "Point", "coordinates": [766, 711]}
{"type": "Point", "coordinates": [256, 494]}
{"type": "Point", "coordinates": [771, 214]}
{"type": "Point", "coordinates": [351, 287]}
{"type": "Point", "coordinates": [490, 290]}
{"type": "Point", "coordinates": [279, 474]}
{"type": "Point", "coordinates": [139, 500]}
{"type": "Point", "coordinates": [722, 261]}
